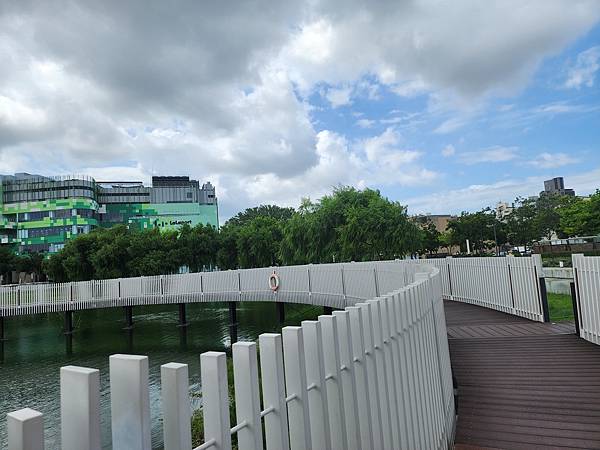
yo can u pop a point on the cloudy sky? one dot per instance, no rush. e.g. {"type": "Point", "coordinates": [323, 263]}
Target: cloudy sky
{"type": "Point", "coordinates": [443, 105]}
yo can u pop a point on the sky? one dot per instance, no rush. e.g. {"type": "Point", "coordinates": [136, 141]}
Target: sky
{"type": "Point", "coordinates": [444, 106]}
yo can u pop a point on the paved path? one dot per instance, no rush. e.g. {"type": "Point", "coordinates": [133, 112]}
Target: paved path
{"type": "Point", "coordinates": [522, 385]}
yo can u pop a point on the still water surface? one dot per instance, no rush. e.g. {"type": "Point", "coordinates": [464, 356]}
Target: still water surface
{"type": "Point", "coordinates": [36, 349]}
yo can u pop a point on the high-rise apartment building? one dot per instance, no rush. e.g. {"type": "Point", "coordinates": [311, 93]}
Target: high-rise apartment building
{"type": "Point", "coordinates": [39, 213]}
{"type": "Point", "coordinates": [556, 186]}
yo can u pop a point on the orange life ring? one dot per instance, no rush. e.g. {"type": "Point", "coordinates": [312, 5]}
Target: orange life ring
{"type": "Point", "coordinates": [274, 281]}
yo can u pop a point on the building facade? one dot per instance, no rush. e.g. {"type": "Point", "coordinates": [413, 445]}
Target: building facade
{"type": "Point", "coordinates": [503, 210]}
{"type": "Point", "coordinates": [39, 214]}
{"type": "Point", "coordinates": [556, 186]}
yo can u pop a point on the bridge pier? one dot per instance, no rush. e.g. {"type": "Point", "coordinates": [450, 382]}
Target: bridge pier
{"type": "Point", "coordinates": [68, 323]}
{"type": "Point", "coordinates": [183, 341]}
{"type": "Point", "coordinates": [128, 317]}
{"type": "Point", "coordinates": [327, 310]}
{"type": "Point", "coordinates": [2, 337]}
{"type": "Point", "coordinates": [182, 318]}
{"type": "Point", "coordinates": [69, 344]}
{"type": "Point", "coordinates": [280, 311]}
{"type": "Point", "coordinates": [233, 322]}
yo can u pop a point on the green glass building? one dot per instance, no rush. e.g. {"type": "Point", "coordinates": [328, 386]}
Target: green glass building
{"type": "Point", "coordinates": [39, 214]}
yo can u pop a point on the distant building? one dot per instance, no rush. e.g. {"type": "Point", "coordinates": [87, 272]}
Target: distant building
{"type": "Point", "coordinates": [556, 186]}
{"type": "Point", "coordinates": [39, 214]}
{"type": "Point", "coordinates": [503, 210]}
{"type": "Point", "coordinates": [439, 220]}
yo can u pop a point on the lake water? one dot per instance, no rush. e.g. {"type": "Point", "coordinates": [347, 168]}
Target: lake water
{"type": "Point", "coordinates": [36, 348]}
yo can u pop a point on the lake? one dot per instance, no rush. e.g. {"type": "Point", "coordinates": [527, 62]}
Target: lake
{"type": "Point", "coordinates": [36, 348]}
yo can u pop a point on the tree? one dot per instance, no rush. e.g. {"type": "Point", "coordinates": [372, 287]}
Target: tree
{"type": "Point", "coordinates": [276, 212]}
{"type": "Point", "coordinates": [522, 223]}
{"type": "Point", "coordinates": [111, 255]}
{"type": "Point", "coordinates": [258, 242]}
{"type": "Point", "coordinates": [152, 252]}
{"type": "Point", "coordinates": [348, 225]}
{"type": "Point", "coordinates": [547, 220]}
{"type": "Point", "coordinates": [7, 260]}
{"type": "Point", "coordinates": [581, 217]}
{"type": "Point", "coordinates": [480, 228]}
{"type": "Point", "coordinates": [431, 237]}
{"type": "Point", "coordinates": [198, 246]}
{"type": "Point", "coordinates": [227, 253]}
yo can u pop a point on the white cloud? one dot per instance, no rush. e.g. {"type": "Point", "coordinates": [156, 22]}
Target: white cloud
{"type": "Point", "coordinates": [561, 107]}
{"type": "Point", "coordinates": [476, 197]}
{"type": "Point", "coordinates": [339, 96]}
{"type": "Point", "coordinates": [584, 70]}
{"type": "Point", "coordinates": [426, 46]}
{"type": "Point", "coordinates": [552, 160]}
{"type": "Point", "coordinates": [221, 94]}
{"type": "Point", "coordinates": [448, 150]}
{"type": "Point", "coordinates": [365, 123]}
{"type": "Point", "coordinates": [410, 88]}
{"type": "Point", "coordinates": [452, 124]}
{"type": "Point", "coordinates": [494, 154]}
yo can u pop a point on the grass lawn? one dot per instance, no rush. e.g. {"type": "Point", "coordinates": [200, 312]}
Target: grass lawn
{"type": "Point", "coordinates": [561, 307]}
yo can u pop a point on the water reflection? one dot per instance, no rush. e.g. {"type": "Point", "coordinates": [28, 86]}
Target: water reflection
{"type": "Point", "coordinates": [36, 349]}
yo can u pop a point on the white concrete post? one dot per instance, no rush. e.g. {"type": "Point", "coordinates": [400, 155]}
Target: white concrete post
{"type": "Point", "coordinates": [372, 377]}
{"type": "Point", "coordinates": [335, 395]}
{"type": "Point", "coordinates": [80, 408]}
{"type": "Point", "coordinates": [130, 402]}
{"type": "Point", "coordinates": [247, 396]}
{"type": "Point", "coordinates": [215, 398]}
{"type": "Point", "coordinates": [175, 386]}
{"type": "Point", "coordinates": [273, 385]}
{"type": "Point", "coordinates": [382, 384]}
{"type": "Point", "coordinates": [25, 429]}
{"type": "Point", "coordinates": [347, 381]}
{"type": "Point", "coordinates": [395, 333]}
{"type": "Point", "coordinates": [295, 382]}
{"type": "Point", "coordinates": [389, 370]}
{"type": "Point", "coordinates": [317, 393]}
{"type": "Point", "coordinates": [402, 314]}
{"type": "Point", "coordinates": [361, 378]}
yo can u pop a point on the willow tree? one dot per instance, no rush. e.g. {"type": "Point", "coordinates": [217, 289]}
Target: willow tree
{"type": "Point", "coordinates": [349, 225]}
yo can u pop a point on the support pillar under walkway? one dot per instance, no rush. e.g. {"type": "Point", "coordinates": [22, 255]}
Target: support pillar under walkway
{"type": "Point", "coordinates": [233, 324]}
{"type": "Point", "coordinates": [128, 317]}
{"type": "Point", "coordinates": [182, 315]}
{"type": "Point", "coordinates": [68, 330]}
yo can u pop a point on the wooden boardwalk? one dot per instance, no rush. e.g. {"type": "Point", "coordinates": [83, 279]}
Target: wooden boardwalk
{"type": "Point", "coordinates": [522, 385]}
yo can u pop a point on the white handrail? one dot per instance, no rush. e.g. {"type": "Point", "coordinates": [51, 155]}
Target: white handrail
{"type": "Point", "coordinates": [400, 376]}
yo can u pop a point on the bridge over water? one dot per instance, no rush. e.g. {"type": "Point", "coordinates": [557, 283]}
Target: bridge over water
{"type": "Point", "coordinates": [375, 374]}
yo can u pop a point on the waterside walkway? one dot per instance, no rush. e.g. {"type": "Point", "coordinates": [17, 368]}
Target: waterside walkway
{"type": "Point", "coordinates": [522, 385]}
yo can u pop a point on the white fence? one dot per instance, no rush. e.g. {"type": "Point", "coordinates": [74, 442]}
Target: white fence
{"type": "Point", "coordinates": [511, 285]}
{"type": "Point", "coordinates": [335, 285]}
{"type": "Point", "coordinates": [373, 376]}
{"type": "Point", "coordinates": [587, 288]}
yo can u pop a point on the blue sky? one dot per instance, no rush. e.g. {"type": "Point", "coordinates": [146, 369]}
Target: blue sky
{"type": "Point", "coordinates": [549, 127]}
{"type": "Point", "coordinates": [445, 106]}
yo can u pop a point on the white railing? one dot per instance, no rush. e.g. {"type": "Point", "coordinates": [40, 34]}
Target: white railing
{"type": "Point", "coordinates": [373, 376]}
{"type": "Point", "coordinates": [586, 271]}
{"type": "Point", "coordinates": [335, 285]}
{"type": "Point", "coordinates": [511, 285]}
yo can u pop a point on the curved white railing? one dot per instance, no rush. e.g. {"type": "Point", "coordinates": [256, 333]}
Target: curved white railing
{"type": "Point", "coordinates": [508, 284]}
{"type": "Point", "coordinates": [375, 375]}
{"type": "Point", "coordinates": [335, 285]}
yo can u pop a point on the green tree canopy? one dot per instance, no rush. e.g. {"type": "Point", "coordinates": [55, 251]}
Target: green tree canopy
{"type": "Point", "coordinates": [349, 225]}
{"type": "Point", "coordinates": [581, 216]}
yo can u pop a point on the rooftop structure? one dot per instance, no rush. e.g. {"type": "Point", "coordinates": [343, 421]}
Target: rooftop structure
{"type": "Point", "coordinates": [556, 186]}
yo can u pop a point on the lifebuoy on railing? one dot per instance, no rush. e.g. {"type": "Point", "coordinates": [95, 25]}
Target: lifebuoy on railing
{"type": "Point", "coordinates": [274, 281]}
